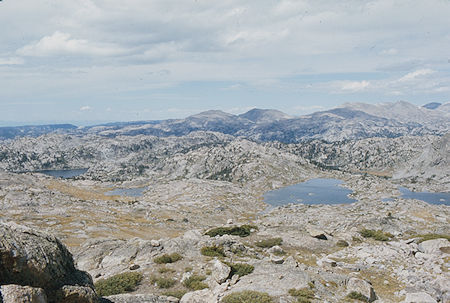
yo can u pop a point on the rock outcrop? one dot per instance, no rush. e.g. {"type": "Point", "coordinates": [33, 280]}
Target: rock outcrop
{"type": "Point", "coordinates": [41, 267]}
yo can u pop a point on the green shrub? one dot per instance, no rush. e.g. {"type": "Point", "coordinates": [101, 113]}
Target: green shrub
{"type": "Point", "coordinates": [378, 235]}
{"type": "Point", "coordinates": [247, 296]}
{"type": "Point", "coordinates": [303, 295]}
{"type": "Point", "coordinates": [356, 239]}
{"type": "Point", "coordinates": [269, 242]}
{"type": "Point", "coordinates": [241, 269]}
{"type": "Point", "coordinates": [164, 270]}
{"type": "Point", "coordinates": [242, 231]}
{"type": "Point", "coordinates": [118, 284]}
{"type": "Point", "coordinates": [342, 243]}
{"type": "Point", "coordinates": [174, 293]}
{"type": "Point", "coordinates": [212, 251]}
{"type": "Point", "coordinates": [357, 296]}
{"type": "Point", "coordinates": [166, 258]}
{"type": "Point", "coordinates": [195, 282]}
{"type": "Point", "coordinates": [427, 237]}
{"type": "Point", "coordinates": [162, 282]}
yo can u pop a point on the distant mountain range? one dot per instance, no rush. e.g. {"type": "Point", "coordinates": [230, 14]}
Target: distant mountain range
{"type": "Point", "coordinates": [349, 121]}
{"type": "Point", "coordinates": [12, 132]}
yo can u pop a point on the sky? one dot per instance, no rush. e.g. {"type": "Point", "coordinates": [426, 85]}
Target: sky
{"type": "Point", "coordinates": [91, 61]}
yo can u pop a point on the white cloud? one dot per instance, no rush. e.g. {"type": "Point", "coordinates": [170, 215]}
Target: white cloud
{"type": "Point", "coordinates": [11, 61]}
{"type": "Point", "coordinates": [355, 86]}
{"type": "Point", "coordinates": [389, 52]}
{"type": "Point", "coordinates": [416, 74]}
{"type": "Point", "coordinates": [60, 43]}
{"type": "Point", "coordinates": [275, 49]}
{"type": "Point", "coordinates": [85, 108]}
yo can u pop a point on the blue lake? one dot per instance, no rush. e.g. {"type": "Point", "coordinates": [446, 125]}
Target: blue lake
{"type": "Point", "coordinates": [315, 191]}
{"type": "Point", "coordinates": [63, 173]}
{"type": "Point", "coordinates": [432, 198]}
{"type": "Point", "coordinates": [127, 192]}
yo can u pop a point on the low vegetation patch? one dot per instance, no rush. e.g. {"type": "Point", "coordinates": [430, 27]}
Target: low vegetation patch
{"type": "Point", "coordinates": [357, 296]}
{"type": "Point", "coordinates": [175, 293]}
{"type": "Point", "coordinates": [164, 270]}
{"type": "Point", "coordinates": [342, 243]}
{"type": "Point", "coordinates": [240, 269]}
{"type": "Point", "coordinates": [303, 295]}
{"type": "Point", "coordinates": [166, 258]}
{"type": "Point", "coordinates": [163, 282]}
{"type": "Point", "coordinates": [356, 240]}
{"type": "Point", "coordinates": [427, 237]}
{"type": "Point", "coordinates": [212, 251]}
{"type": "Point", "coordinates": [195, 282]}
{"type": "Point", "coordinates": [242, 231]}
{"type": "Point", "coordinates": [378, 235]}
{"type": "Point", "coordinates": [118, 284]}
{"type": "Point", "coordinates": [267, 243]}
{"type": "Point", "coordinates": [247, 296]}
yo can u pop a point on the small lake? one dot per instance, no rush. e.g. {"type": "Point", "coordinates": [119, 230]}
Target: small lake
{"type": "Point", "coordinates": [127, 192]}
{"type": "Point", "coordinates": [432, 198]}
{"type": "Point", "coordinates": [63, 173]}
{"type": "Point", "coordinates": [315, 191]}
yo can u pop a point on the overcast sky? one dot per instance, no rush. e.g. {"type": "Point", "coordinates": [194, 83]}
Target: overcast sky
{"type": "Point", "coordinates": [87, 61]}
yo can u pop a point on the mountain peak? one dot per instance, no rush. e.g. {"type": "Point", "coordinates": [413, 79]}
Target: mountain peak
{"type": "Point", "coordinates": [212, 114]}
{"type": "Point", "coordinates": [264, 115]}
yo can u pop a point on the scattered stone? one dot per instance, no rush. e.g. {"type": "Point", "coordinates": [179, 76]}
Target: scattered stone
{"type": "Point", "coordinates": [230, 221]}
{"type": "Point", "coordinates": [138, 298]}
{"type": "Point", "coordinates": [433, 247]}
{"type": "Point", "coordinates": [290, 261]}
{"type": "Point", "coordinates": [326, 262]}
{"type": "Point", "coordinates": [275, 250]}
{"type": "Point", "coordinates": [317, 233]}
{"type": "Point", "coordinates": [135, 266]}
{"type": "Point", "coordinates": [362, 287]}
{"type": "Point", "coordinates": [220, 271]}
{"type": "Point", "coordinates": [234, 279]}
{"type": "Point", "coordinates": [76, 294]}
{"type": "Point", "coordinates": [419, 297]}
{"type": "Point", "coordinates": [155, 243]}
{"type": "Point", "coordinates": [199, 296]}
{"type": "Point", "coordinates": [276, 259]}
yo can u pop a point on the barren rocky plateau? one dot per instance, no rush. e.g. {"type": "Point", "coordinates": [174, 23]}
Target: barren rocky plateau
{"type": "Point", "coordinates": [205, 179]}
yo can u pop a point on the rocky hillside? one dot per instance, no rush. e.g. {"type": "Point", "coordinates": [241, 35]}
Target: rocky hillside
{"type": "Point", "coordinates": [216, 156]}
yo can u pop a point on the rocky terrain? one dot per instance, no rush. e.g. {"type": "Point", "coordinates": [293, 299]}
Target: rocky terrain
{"type": "Point", "coordinates": [201, 232]}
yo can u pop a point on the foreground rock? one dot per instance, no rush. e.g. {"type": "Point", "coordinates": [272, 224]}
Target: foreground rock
{"type": "Point", "coordinates": [22, 294]}
{"type": "Point", "coordinates": [41, 261]}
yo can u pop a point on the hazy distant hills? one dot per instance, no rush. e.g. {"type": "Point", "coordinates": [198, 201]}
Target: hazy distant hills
{"type": "Point", "coordinates": [348, 122]}
{"type": "Point", "coordinates": [33, 130]}
{"type": "Point", "coordinates": [432, 115]}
